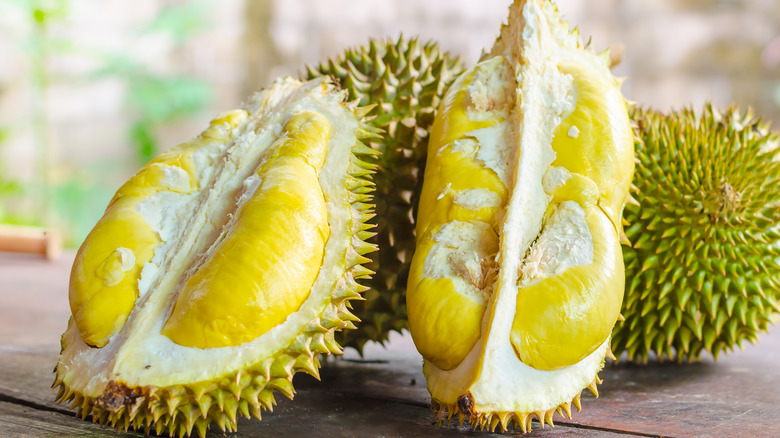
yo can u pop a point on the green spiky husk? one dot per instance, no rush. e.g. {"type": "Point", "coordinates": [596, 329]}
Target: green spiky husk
{"type": "Point", "coordinates": [181, 409]}
{"type": "Point", "coordinates": [405, 81]}
{"type": "Point", "coordinates": [503, 421]}
{"type": "Point", "coordinates": [703, 271]}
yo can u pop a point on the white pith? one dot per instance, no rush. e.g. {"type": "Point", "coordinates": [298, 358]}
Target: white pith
{"type": "Point", "coordinates": [190, 225]}
{"type": "Point", "coordinates": [462, 254]}
{"type": "Point", "coordinates": [565, 242]}
{"type": "Point", "coordinates": [554, 178]}
{"type": "Point", "coordinates": [530, 248]}
{"type": "Point", "coordinates": [474, 199]}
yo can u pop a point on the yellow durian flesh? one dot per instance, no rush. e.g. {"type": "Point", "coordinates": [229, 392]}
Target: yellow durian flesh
{"type": "Point", "coordinates": [104, 277]}
{"type": "Point", "coordinates": [275, 209]}
{"type": "Point", "coordinates": [446, 311]}
{"type": "Point", "coordinates": [592, 140]}
{"type": "Point", "coordinates": [561, 319]}
{"type": "Point", "coordinates": [264, 268]}
{"type": "Point", "coordinates": [456, 174]}
{"type": "Point", "coordinates": [558, 142]}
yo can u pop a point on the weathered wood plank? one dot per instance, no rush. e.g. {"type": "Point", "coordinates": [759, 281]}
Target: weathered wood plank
{"type": "Point", "coordinates": [33, 300]}
{"type": "Point", "coordinates": [704, 399]}
{"type": "Point", "coordinates": [27, 375]}
{"type": "Point", "coordinates": [740, 392]}
{"type": "Point", "coordinates": [325, 413]}
{"type": "Point", "coordinates": [353, 399]}
{"type": "Point", "coordinates": [23, 421]}
{"type": "Point", "coordinates": [736, 396]}
{"type": "Point", "coordinates": [384, 393]}
{"type": "Point", "coordinates": [312, 413]}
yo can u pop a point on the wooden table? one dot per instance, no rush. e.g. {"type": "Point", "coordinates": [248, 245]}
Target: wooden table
{"type": "Point", "coordinates": [384, 393]}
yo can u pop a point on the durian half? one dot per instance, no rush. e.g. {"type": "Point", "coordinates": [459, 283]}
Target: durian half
{"type": "Point", "coordinates": [517, 278]}
{"type": "Point", "coordinates": [223, 267]}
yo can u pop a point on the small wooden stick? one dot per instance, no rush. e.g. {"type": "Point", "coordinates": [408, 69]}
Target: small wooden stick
{"type": "Point", "coordinates": [30, 240]}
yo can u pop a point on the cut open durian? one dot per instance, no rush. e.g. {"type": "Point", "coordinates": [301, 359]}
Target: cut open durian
{"type": "Point", "coordinates": [517, 278]}
{"type": "Point", "coordinates": [222, 267]}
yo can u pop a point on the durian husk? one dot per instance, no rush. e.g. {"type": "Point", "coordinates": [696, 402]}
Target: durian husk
{"type": "Point", "coordinates": [181, 409]}
{"type": "Point", "coordinates": [702, 271]}
{"type": "Point", "coordinates": [402, 81]}
{"type": "Point", "coordinates": [503, 421]}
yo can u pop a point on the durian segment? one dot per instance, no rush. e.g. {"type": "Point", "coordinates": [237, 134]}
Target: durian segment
{"type": "Point", "coordinates": [595, 139]}
{"type": "Point", "coordinates": [450, 281]}
{"type": "Point", "coordinates": [563, 318]}
{"type": "Point", "coordinates": [105, 273]}
{"type": "Point", "coordinates": [144, 380]}
{"type": "Point", "coordinates": [263, 269]}
{"type": "Point", "coordinates": [557, 283]}
{"type": "Point", "coordinates": [452, 270]}
{"type": "Point", "coordinates": [702, 271]}
{"type": "Point", "coordinates": [403, 82]}
{"type": "Point", "coordinates": [459, 163]}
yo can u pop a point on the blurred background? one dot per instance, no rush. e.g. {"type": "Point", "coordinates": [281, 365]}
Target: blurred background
{"type": "Point", "coordinates": [90, 90]}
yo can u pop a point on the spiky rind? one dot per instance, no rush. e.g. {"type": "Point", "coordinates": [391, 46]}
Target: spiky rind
{"type": "Point", "coordinates": [703, 271]}
{"type": "Point", "coordinates": [403, 82]}
{"type": "Point", "coordinates": [181, 409]}
{"type": "Point", "coordinates": [491, 421]}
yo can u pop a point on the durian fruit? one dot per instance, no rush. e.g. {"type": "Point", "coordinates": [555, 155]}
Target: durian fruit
{"type": "Point", "coordinates": [517, 277]}
{"type": "Point", "coordinates": [403, 82]}
{"type": "Point", "coordinates": [223, 267]}
{"type": "Point", "coordinates": [703, 269]}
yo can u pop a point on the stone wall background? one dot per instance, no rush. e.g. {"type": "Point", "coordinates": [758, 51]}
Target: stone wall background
{"type": "Point", "coordinates": [675, 53]}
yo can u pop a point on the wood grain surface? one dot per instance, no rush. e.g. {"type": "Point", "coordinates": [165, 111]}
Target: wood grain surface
{"type": "Point", "coordinates": [383, 393]}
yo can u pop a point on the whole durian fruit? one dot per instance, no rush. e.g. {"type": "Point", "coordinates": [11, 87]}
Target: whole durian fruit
{"type": "Point", "coordinates": [403, 81]}
{"type": "Point", "coordinates": [517, 278]}
{"type": "Point", "coordinates": [223, 267]}
{"type": "Point", "coordinates": [703, 270]}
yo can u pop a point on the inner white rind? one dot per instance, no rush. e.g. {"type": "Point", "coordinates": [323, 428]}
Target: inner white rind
{"type": "Point", "coordinates": [565, 242]}
{"type": "Point", "coordinates": [475, 199]}
{"type": "Point", "coordinates": [495, 152]}
{"type": "Point", "coordinates": [139, 354]}
{"type": "Point", "coordinates": [492, 373]}
{"type": "Point", "coordinates": [463, 252]}
{"type": "Point", "coordinates": [554, 178]}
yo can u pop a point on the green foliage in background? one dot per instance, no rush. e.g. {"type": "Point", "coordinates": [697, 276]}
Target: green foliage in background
{"type": "Point", "coordinates": [181, 21]}
{"type": "Point", "coordinates": [8, 186]}
{"type": "Point", "coordinates": [76, 200]}
{"type": "Point", "coordinates": [160, 100]}
{"type": "Point", "coordinates": [155, 99]}
{"type": "Point", "coordinates": [82, 199]}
